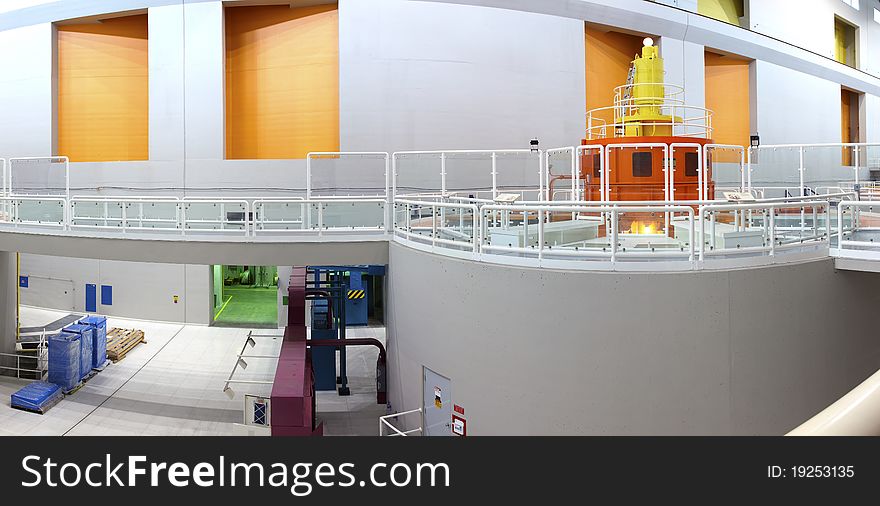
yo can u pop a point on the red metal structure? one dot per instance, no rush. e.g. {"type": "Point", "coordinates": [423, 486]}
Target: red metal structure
{"type": "Point", "coordinates": [293, 390]}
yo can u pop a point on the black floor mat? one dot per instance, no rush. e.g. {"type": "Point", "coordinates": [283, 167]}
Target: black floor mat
{"type": "Point", "coordinates": [32, 334]}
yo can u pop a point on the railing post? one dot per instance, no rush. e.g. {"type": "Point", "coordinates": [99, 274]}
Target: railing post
{"type": "Point", "coordinates": [748, 174]}
{"type": "Point", "coordinates": [613, 234]}
{"type": "Point", "coordinates": [494, 175]}
{"type": "Point", "coordinates": [443, 173]}
{"type": "Point", "coordinates": [691, 248]}
{"type": "Point", "coordinates": [477, 228]}
{"type": "Point", "coordinates": [856, 159]}
{"type": "Point", "coordinates": [574, 174]}
{"type": "Point", "coordinates": [801, 170]}
{"type": "Point", "coordinates": [540, 234]}
{"type": "Point", "coordinates": [828, 222]}
{"type": "Point", "coordinates": [702, 211]}
{"type": "Point", "coordinates": [712, 229]}
{"type": "Point", "coordinates": [772, 230]}
{"type": "Point", "coordinates": [433, 225]}
{"type": "Point", "coordinates": [181, 216]}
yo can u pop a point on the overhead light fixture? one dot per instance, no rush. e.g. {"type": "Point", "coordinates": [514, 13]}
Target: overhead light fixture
{"type": "Point", "coordinates": [229, 392]}
{"type": "Point", "coordinates": [242, 363]}
{"type": "Point", "coordinates": [250, 341]}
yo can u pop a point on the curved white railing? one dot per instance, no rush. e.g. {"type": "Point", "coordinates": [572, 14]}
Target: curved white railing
{"type": "Point", "coordinates": [684, 120]}
{"type": "Point", "coordinates": [618, 235]}
{"type": "Point", "coordinates": [545, 222]}
{"type": "Point", "coordinates": [854, 414]}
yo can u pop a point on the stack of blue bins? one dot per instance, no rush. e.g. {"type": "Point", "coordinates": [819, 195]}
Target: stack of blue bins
{"type": "Point", "coordinates": [86, 339]}
{"type": "Point", "coordinates": [99, 339]}
{"type": "Point", "coordinates": [65, 352]}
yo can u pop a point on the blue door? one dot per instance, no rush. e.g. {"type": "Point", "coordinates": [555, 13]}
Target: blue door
{"type": "Point", "coordinates": [91, 298]}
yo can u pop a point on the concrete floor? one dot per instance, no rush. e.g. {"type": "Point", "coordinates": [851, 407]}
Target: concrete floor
{"type": "Point", "coordinates": [172, 385]}
{"type": "Point", "coordinates": [248, 307]}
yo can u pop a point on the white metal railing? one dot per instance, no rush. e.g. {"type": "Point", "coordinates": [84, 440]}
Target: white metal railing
{"type": "Point", "coordinates": [126, 214]}
{"type": "Point", "coordinates": [682, 120]}
{"type": "Point", "coordinates": [349, 175]}
{"type": "Point", "coordinates": [460, 221]}
{"type": "Point", "coordinates": [764, 218]}
{"type": "Point", "coordinates": [861, 237]}
{"type": "Point", "coordinates": [808, 165]}
{"type": "Point", "coordinates": [386, 428]}
{"type": "Point", "coordinates": [32, 161]}
{"type": "Point", "coordinates": [39, 357]}
{"type": "Point", "coordinates": [495, 218]}
{"type": "Point", "coordinates": [197, 216]}
{"type": "Point", "coordinates": [686, 234]}
{"type": "Point", "coordinates": [488, 160]}
{"type": "Point", "coordinates": [319, 216]}
{"type": "Point", "coordinates": [42, 212]}
{"type": "Point", "coordinates": [452, 225]}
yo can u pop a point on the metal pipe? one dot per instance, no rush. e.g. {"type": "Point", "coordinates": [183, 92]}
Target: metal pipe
{"type": "Point", "coordinates": [381, 361]}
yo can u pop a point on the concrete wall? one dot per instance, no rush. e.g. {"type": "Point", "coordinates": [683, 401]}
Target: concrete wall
{"type": "Point", "coordinates": [140, 290]}
{"type": "Point", "coordinates": [546, 352]}
{"type": "Point", "coordinates": [8, 285]}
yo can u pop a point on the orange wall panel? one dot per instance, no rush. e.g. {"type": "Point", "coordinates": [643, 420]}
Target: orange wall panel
{"type": "Point", "coordinates": [727, 96]}
{"type": "Point", "coordinates": [608, 56]}
{"type": "Point", "coordinates": [103, 90]}
{"type": "Point", "coordinates": [282, 81]}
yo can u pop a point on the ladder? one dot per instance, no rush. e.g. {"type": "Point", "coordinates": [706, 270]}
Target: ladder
{"type": "Point", "coordinates": [625, 100]}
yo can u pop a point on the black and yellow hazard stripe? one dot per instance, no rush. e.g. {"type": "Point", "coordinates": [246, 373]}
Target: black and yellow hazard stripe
{"type": "Point", "coordinates": [357, 294]}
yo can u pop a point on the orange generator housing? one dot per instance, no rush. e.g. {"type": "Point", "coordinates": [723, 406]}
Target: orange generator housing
{"type": "Point", "coordinates": [637, 173]}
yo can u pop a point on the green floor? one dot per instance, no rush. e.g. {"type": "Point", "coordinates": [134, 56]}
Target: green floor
{"type": "Point", "coordinates": [248, 307]}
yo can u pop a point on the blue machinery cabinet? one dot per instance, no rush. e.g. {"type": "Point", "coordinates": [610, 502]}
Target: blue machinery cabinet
{"type": "Point", "coordinates": [356, 300]}
{"type": "Point", "coordinates": [323, 359]}
{"type": "Point", "coordinates": [347, 286]}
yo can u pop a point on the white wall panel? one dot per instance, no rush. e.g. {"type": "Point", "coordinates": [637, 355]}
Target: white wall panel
{"type": "Point", "coordinates": [428, 76]}
{"type": "Point", "coordinates": [26, 95]}
{"type": "Point", "coordinates": [794, 107]}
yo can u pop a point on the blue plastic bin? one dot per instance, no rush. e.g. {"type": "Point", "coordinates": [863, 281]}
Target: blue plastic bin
{"type": "Point", "coordinates": [65, 352]}
{"type": "Point", "coordinates": [86, 333]}
{"type": "Point", "coordinates": [99, 341]}
{"type": "Point", "coordinates": [39, 396]}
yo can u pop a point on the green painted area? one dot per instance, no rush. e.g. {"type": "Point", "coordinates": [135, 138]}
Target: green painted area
{"type": "Point", "coordinates": [248, 307]}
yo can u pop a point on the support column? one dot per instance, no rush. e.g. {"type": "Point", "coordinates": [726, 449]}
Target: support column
{"type": "Point", "coordinates": [8, 302]}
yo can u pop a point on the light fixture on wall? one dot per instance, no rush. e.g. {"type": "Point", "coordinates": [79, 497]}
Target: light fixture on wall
{"type": "Point", "coordinates": [755, 140]}
{"type": "Point", "coordinates": [534, 145]}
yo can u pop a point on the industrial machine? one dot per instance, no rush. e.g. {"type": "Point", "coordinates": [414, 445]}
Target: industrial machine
{"type": "Point", "coordinates": [297, 375]}
{"type": "Point", "coordinates": [653, 114]}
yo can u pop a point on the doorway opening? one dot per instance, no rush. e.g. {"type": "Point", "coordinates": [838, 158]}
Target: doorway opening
{"type": "Point", "coordinates": [245, 296]}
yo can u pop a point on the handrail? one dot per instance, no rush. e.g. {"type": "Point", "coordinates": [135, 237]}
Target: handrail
{"type": "Point", "coordinates": [854, 414]}
{"type": "Point", "coordinates": [384, 422]}
{"type": "Point", "coordinates": [62, 159]}
{"type": "Point", "coordinates": [345, 154]}
{"type": "Point", "coordinates": [613, 211]}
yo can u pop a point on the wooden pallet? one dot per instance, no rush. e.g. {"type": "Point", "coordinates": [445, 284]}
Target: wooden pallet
{"type": "Point", "coordinates": [122, 341]}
